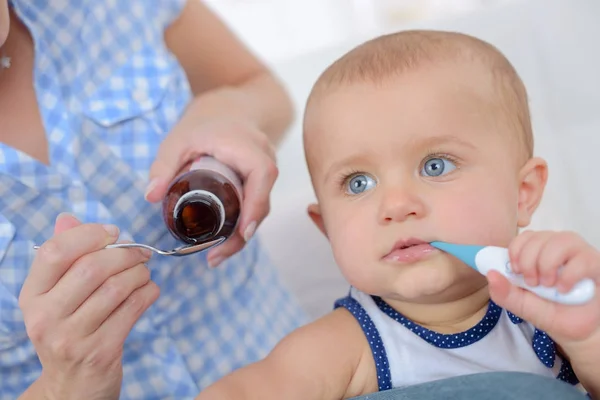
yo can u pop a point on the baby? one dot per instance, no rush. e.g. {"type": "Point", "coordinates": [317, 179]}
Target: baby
{"type": "Point", "coordinates": [410, 138]}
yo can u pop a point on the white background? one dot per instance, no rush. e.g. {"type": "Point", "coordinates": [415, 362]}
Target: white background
{"type": "Point", "coordinates": [278, 30]}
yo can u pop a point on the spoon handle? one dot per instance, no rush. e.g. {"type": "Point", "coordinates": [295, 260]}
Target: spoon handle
{"type": "Point", "coordinates": [180, 251]}
{"type": "Point", "coordinates": [127, 245]}
{"type": "Point", "coordinates": [144, 246]}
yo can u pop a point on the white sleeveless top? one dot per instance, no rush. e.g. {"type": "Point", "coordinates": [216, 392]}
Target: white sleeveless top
{"type": "Point", "coordinates": [406, 354]}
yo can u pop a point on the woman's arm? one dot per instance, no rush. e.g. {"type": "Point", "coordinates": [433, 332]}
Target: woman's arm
{"type": "Point", "coordinates": [34, 392]}
{"type": "Point", "coordinates": [224, 75]}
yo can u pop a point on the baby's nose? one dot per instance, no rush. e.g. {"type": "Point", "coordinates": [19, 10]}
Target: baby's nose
{"type": "Point", "coordinates": [398, 205]}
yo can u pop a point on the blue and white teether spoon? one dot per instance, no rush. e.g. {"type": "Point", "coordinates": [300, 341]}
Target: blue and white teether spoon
{"type": "Point", "coordinates": [486, 258]}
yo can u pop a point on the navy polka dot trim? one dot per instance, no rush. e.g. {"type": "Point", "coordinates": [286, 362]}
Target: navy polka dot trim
{"type": "Point", "coordinates": [543, 346]}
{"type": "Point", "coordinates": [567, 374]}
{"type": "Point", "coordinates": [514, 318]}
{"type": "Point", "coordinates": [384, 379]}
{"type": "Point", "coordinates": [446, 341]}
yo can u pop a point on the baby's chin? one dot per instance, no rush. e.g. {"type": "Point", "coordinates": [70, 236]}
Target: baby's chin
{"type": "Point", "coordinates": [426, 284]}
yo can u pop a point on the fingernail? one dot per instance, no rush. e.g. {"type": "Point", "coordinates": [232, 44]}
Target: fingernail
{"type": "Point", "coordinates": [249, 232]}
{"type": "Point", "coordinates": [153, 183]}
{"type": "Point", "coordinates": [214, 262]}
{"type": "Point", "coordinates": [145, 252]}
{"type": "Point", "coordinates": [545, 281]}
{"type": "Point", "coordinates": [112, 230]}
{"type": "Point", "coordinates": [531, 281]}
{"type": "Point", "coordinates": [562, 288]}
{"type": "Point", "coordinates": [65, 214]}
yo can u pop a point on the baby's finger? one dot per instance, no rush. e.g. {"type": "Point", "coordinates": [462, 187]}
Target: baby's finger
{"type": "Point", "coordinates": [556, 252]}
{"type": "Point", "coordinates": [529, 256]}
{"type": "Point", "coordinates": [522, 303]}
{"type": "Point", "coordinates": [584, 265]}
{"type": "Point", "coordinates": [220, 253]}
{"type": "Point", "coordinates": [97, 308]}
{"type": "Point", "coordinates": [499, 287]}
{"type": "Point", "coordinates": [516, 247]}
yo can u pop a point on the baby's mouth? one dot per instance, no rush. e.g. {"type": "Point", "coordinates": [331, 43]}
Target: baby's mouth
{"type": "Point", "coordinates": [409, 251]}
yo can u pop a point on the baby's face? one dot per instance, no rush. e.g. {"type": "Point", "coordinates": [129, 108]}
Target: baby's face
{"type": "Point", "coordinates": [417, 158]}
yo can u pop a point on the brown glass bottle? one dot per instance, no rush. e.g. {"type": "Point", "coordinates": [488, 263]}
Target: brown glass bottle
{"type": "Point", "coordinates": [203, 203]}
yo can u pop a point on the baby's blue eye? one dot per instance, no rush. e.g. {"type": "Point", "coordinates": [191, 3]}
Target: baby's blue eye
{"type": "Point", "coordinates": [437, 167]}
{"type": "Point", "coordinates": [359, 184]}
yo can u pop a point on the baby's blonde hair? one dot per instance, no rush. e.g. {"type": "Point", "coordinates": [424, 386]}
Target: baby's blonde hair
{"type": "Point", "coordinates": [390, 55]}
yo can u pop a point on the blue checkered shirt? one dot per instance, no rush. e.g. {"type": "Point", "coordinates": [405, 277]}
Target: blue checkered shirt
{"type": "Point", "coordinates": [109, 92]}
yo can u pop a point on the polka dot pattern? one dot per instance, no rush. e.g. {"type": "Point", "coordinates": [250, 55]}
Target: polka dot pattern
{"type": "Point", "coordinates": [542, 344]}
{"type": "Point", "coordinates": [544, 348]}
{"type": "Point", "coordinates": [384, 379]}
{"type": "Point", "coordinates": [567, 374]}
{"type": "Point", "coordinates": [514, 318]}
{"type": "Point", "coordinates": [446, 341]}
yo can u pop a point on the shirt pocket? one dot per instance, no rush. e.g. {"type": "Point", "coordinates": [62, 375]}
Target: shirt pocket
{"type": "Point", "coordinates": [12, 275]}
{"type": "Point", "coordinates": [137, 105]}
{"type": "Point", "coordinates": [134, 89]}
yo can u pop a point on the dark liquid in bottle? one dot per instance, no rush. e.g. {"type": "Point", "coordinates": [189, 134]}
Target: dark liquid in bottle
{"type": "Point", "coordinates": [198, 218]}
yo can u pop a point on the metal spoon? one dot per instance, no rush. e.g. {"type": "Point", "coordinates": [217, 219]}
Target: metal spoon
{"type": "Point", "coordinates": [179, 251]}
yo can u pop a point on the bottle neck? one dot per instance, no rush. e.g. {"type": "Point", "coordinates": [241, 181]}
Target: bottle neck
{"type": "Point", "coordinates": [199, 211]}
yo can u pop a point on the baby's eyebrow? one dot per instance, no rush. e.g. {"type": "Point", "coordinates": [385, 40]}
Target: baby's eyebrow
{"type": "Point", "coordinates": [434, 141]}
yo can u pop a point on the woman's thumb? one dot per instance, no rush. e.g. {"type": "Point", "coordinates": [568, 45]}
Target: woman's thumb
{"type": "Point", "coordinates": [64, 222]}
{"type": "Point", "coordinates": [163, 170]}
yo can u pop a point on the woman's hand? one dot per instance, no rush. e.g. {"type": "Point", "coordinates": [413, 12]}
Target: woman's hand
{"type": "Point", "coordinates": [205, 129]}
{"type": "Point", "coordinates": [240, 111]}
{"type": "Point", "coordinates": [79, 302]}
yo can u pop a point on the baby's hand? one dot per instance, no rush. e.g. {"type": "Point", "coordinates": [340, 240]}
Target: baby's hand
{"type": "Point", "coordinates": [539, 256]}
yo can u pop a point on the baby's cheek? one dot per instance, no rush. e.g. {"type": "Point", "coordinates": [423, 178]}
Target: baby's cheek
{"type": "Point", "coordinates": [485, 220]}
{"type": "Point", "coordinates": [348, 242]}
{"type": "Point", "coordinates": [351, 243]}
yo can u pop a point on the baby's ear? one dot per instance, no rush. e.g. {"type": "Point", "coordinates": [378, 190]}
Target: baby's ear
{"type": "Point", "coordinates": [314, 212]}
{"type": "Point", "coordinates": [532, 182]}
